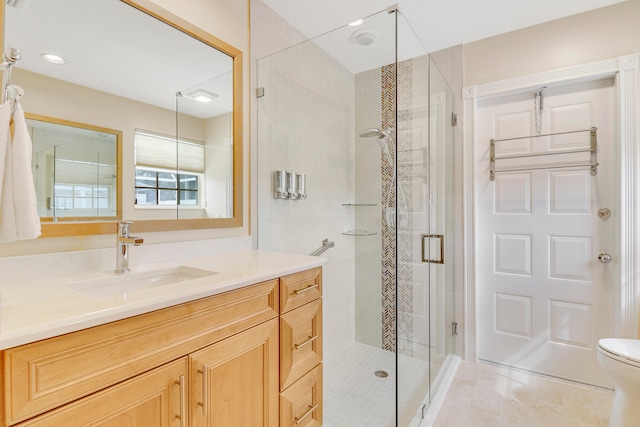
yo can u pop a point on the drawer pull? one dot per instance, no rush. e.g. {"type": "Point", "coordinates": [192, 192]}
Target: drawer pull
{"type": "Point", "coordinates": [302, 344]}
{"type": "Point", "coordinates": [205, 388]}
{"type": "Point", "coordinates": [311, 409]}
{"type": "Point", "coordinates": [307, 289]}
{"type": "Point", "coordinates": [183, 410]}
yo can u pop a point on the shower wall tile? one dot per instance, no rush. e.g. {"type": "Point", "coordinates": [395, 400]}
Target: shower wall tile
{"type": "Point", "coordinates": [305, 123]}
{"type": "Point", "coordinates": [368, 181]}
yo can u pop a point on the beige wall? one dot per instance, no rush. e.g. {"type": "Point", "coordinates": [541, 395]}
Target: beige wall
{"type": "Point", "coordinates": [588, 37]}
{"type": "Point", "coordinates": [225, 19]}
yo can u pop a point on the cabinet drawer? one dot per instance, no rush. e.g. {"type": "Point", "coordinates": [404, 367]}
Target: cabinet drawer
{"type": "Point", "coordinates": [301, 404]}
{"type": "Point", "coordinates": [157, 398]}
{"type": "Point", "coordinates": [300, 342]}
{"type": "Point", "coordinates": [300, 288]}
{"type": "Point", "coordinates": [43, 375]}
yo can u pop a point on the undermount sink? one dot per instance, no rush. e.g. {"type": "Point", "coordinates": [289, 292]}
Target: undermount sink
{"type": "Point", "coordinates": [122, 284]}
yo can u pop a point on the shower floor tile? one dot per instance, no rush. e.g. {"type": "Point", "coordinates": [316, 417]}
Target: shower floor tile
{"type": "Point", "coordinates": [355, 397]}
{"type": "Point", "coordinates": [488, 395]}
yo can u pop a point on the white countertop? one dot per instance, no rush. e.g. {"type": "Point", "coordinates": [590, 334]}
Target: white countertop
{"type": "Point", "coordinates": [35, 310]}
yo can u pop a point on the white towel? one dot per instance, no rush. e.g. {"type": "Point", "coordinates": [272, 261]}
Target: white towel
{"type": "Point", "coordinates": [19, 218]}
{"type": "Point", "coordinates": [5, 139]}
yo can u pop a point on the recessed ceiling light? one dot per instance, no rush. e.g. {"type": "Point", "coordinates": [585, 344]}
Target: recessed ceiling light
{"type": "Point", "coordinates": [356, 22]}
{"type": "Point", "coordinates": [54, 59]}
{"type": "Point", "coordinates": [202, 95]}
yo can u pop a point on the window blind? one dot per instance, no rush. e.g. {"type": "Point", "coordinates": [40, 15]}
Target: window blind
{"type": "Point", "coordinates": [157, 151]}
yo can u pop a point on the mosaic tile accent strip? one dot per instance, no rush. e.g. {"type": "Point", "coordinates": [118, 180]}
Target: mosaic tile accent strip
{"type": "Point", "coordinates": [397, 280]}
{"type": "Point", "coordinates": [388, 100]}
{"type": "Point", "coordinates": [405, 236]}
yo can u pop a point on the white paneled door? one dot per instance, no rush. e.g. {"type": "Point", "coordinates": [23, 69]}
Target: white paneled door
{"type": "Point", "coordinates": [544, 296]}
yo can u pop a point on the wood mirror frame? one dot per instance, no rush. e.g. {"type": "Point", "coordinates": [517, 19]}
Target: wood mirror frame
{"type": "Point", "coordinates": [80, 228]}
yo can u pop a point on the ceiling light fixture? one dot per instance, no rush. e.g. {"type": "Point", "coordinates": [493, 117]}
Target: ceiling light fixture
{"type": "Point", "coordinates": [54, 59]}
{"type": "Point", "coordinates": [356, 23]}
{"type": "Point", "coordinates": [202, 95]}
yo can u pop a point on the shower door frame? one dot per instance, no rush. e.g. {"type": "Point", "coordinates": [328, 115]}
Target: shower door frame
{"type": "Point", "coordinates": [625, 70]}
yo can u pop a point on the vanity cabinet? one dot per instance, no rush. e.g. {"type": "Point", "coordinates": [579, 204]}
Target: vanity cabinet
{"type": "Point", "coordinates": [43, 375]}
{"type": "Point", "coordinates": [301, 349]}
{"type": "Point", "coordinates": [217, 359]}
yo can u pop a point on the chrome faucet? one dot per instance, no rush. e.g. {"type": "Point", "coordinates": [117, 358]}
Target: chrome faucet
{"type": "Point", "coordinates": [122, 245]}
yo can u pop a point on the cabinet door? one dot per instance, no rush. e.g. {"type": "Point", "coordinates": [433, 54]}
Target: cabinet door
{"type": "Point", "coordinates": [155, 399]}
{"type": "Point", "coordinates": [234, 383]}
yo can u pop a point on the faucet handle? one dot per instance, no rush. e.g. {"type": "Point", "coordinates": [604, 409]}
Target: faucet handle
{"type": "Point", "coordinates": [123, 228]}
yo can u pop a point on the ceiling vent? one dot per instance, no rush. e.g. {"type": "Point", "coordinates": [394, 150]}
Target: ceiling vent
{"type": "Point", "coordinates": [364, 37]}
{"type": "Point", "coordinates": [18, 4]}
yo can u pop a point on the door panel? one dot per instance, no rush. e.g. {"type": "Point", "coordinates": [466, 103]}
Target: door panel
{"type": "Point", "coordinates": [234, 382]}
{"type": "Point", "coordinates": [545, 300]}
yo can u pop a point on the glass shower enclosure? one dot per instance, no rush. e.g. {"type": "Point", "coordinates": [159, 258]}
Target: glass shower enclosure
{"type": "Point", "coordinates": [362, 117]}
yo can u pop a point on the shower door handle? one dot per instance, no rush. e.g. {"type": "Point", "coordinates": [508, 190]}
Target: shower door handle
{"type": "Point", "coordinates": [437, 255]}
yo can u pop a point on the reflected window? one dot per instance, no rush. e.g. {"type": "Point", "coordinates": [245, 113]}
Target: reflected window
{"type": "Point", "coordinates": [72, 196]}
{"type": "Point", "coordinates": [158, 182]}
{"type": "Point", "coordinates": [157, 187]}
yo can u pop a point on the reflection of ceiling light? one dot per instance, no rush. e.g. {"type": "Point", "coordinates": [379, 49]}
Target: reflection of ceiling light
{"type": "Point", "coordinates": [364, 37]}
{"type": "Point", "coordinates": [356, 23]}
{"type": "Point", "coordinates": [202, 95]}
{"type": "Point", "coordinates": [18, 4]}
{"type": "Point", "coordinates": [54, 59]}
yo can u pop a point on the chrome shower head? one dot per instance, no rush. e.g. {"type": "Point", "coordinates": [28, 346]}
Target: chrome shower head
{"type": "Point", "coordinates": [384, 138]}
{"type": "Point", "coordinates": [374, 133]}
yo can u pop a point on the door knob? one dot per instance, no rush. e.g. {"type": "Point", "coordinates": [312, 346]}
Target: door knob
{"type": "Point", "coordinates": [604, 257]}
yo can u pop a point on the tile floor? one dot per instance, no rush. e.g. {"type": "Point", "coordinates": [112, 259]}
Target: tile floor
{"type": "Point", "coordinates": [481, 395]}
{"type": "Point", "coordinates": [486, 395]}
{"type": "Point", "coordinates": [355, 397]}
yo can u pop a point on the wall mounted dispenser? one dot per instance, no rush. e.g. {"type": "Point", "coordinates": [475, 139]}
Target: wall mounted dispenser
{"type": "Point", "coordinates": [280, 184]}
{"type": "Point", "coordinates": [301, 180]}
{"type": "Point", "coordinates": [289, 185]}
{"type": "Point", "coordinates": [292, 186]}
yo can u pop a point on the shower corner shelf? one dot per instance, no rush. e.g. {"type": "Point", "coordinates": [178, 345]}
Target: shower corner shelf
{"type": "Point", "coordinates": [359, 233]}
{"type": "Point", "coordinates": [359, 204]}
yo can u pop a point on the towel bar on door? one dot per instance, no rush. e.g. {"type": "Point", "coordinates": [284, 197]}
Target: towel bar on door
{"type": "Point", "coordinates": [593, 149]}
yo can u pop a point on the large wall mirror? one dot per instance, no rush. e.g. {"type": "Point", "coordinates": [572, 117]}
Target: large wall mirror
{"type": "Point", "coordinates": [170, 91]}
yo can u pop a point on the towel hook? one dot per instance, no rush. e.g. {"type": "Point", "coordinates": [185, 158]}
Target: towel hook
{"type": "Point", "coordinates": [10, 57]}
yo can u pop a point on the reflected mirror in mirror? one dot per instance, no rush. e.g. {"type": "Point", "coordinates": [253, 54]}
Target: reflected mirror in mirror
{"type": "Point", "coordinates": [75, 169]}
{"type": "Point", "coordinates": [133, 66]}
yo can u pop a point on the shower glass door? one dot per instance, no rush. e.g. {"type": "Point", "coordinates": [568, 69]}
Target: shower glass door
{"type": "Point", "coordinates": [424, 231]}
{"type": "Point", "coordinates": [359, 121]}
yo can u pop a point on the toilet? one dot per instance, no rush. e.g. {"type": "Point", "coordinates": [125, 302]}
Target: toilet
{"type": "Point", "coordinates": [620, 357]}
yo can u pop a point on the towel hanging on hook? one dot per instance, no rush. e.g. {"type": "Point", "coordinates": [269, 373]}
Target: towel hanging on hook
{"type": "Point", "coordinates": [14, 93]}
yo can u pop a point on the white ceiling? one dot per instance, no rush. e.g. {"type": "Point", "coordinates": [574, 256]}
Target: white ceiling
{"type": "Point", "coordinates": [116, 49]}
{"type": "Point", "coordinates": [438, 24]}
{"type": "Point", "coordinates": [112, 47]}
